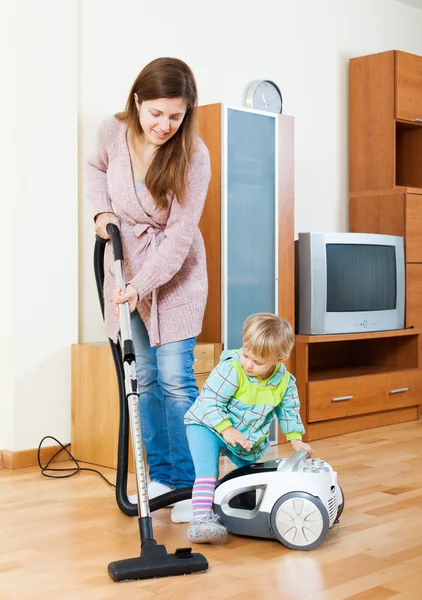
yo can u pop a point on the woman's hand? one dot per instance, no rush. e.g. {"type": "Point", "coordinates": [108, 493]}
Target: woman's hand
{"type": "Point", "coordinates": [130, 295]}
{"type": "Point", "coordinates": [233, 437]}
{"type": "Point", "coordinates": [299, 445]}
{"type": "Point", "coordinates": [101, 222]}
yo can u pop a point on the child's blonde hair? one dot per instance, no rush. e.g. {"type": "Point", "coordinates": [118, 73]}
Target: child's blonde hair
{"type": "Point", "coordinates": [268, 336]}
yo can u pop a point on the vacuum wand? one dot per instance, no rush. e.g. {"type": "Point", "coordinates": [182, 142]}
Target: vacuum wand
{"type": "Point", "coordinates": [131, 383]}
{"type": "Point", "coordinates": [154, 560]}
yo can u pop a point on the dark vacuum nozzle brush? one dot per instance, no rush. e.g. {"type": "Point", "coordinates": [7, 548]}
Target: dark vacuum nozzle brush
{"type": "Point", "coordinates": [155, 561]}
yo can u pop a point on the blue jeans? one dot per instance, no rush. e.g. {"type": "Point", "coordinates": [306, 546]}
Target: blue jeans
{"type": "Point", "coordinates": [205, 447]}
{"type": "Point", "coordinates": [167, 389]}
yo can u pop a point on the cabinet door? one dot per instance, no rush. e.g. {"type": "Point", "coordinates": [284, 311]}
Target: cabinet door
{"type": "Point", "coordinates": [250, 220]}
{"type": "Point", "coordinates": [377, 213]}
{"type": "Point", "coordinates": [408, 86]}
{"type": "Point", "coordinates": [414, 228]}
{"type": "Point", "coordinates": [414, 295]}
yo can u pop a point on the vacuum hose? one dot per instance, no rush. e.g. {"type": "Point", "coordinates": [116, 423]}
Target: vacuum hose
{"type": "Point", "coordinates": [129, 509]}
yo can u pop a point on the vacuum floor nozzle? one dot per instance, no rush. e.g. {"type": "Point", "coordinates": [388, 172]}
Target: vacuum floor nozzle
{"type": "Point", "coordinates": [155, 561]}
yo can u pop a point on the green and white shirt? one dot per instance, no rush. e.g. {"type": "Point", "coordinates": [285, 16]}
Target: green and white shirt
{"type": "Point", "coordinates": [231, 398]}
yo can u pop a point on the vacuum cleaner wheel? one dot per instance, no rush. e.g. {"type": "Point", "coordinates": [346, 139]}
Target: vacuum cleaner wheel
{"type": "Point", "coordinates": [299, 521]}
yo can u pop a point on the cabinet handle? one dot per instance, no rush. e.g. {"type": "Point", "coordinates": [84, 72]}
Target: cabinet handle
{"type": "Point", "coordinates": [399, 390]}
{"type": "Point", "coordinates": [418, 119]}
{"type": "Point", "coordinates": [341, 398]}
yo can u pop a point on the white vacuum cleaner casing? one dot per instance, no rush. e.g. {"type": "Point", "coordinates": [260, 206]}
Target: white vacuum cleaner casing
{"type": "Point", "coordinates": [294, 500]}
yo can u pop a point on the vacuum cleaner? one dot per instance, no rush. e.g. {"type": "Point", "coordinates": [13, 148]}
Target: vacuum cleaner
{"type": "Point", "coordinates": [154, 560]}
{"type": "Point", "coordinates": [293, 500]}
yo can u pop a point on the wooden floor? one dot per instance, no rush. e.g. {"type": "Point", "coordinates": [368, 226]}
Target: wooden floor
{"type": "Point", "coordinates": [57, 537]}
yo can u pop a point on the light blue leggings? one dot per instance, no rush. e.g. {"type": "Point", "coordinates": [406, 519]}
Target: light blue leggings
{"type": "Point", "coordinates": [205, 447]}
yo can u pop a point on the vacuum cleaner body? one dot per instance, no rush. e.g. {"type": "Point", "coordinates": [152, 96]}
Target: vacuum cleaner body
{"type": "Point", "coordinates": [295, 500]}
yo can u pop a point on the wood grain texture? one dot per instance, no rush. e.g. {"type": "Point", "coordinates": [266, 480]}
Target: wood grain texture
{"type": "Point", "coordinates": [414, 295]}
{"type": "Point", "coordinates": [353, 381]}
{"type": "Point", "coordinates": [363, 395]}
{"type": "Point", "coordinates": [371, 122]}
{"type": "Point", "coordinates": [286, 218]}
{"type": "Point", "coordinates": [209, 126]}
{"type": "Point", "coordinates": [317, 339]}
{"type": "Point", "coordinates": [408, 69]}
{"type": "Point", "coordinates": [58, 547]}
{"type": "Point", "coordinates": [413, 239]}
{"type": "Point", "coordinates": [377, 213]}
{"type": "Point", "coordinates": [356, 423]}
{"type": "Point", "coordinates": [29, 458]}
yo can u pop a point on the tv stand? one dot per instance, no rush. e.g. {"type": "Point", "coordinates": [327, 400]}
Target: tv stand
{"type": "Point", "coordinates": [357, 381]}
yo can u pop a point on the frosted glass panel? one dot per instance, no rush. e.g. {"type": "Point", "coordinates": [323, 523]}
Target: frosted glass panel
{"type": "Point", "coordinates": [250, 209]}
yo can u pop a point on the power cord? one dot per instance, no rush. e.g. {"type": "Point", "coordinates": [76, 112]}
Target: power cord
{"type": "Point", "coordinates": [46, 469]}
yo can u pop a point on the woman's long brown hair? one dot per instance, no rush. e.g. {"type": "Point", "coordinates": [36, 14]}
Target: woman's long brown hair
{"type": "Point", "coordinates": [166, 78]}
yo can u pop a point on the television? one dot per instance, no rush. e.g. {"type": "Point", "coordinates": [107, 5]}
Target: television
{"type": "Point", "coordinates": [349, 283]}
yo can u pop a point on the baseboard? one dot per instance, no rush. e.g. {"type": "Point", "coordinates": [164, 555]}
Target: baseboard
{"type": "Point", "coordinates": [333, 427]}
{"type": "Point", "coordinates": [29, 458]}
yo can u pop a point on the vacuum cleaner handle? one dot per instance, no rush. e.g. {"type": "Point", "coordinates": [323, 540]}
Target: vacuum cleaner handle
{"type": "Point", "coordinates": [292, 464]}
{"type": "Point", "coordinates": [114, 233]}
{"type": "Point", "coordinates": [116, 240]}
{"type": "Point", "coordinates": [120, 276]}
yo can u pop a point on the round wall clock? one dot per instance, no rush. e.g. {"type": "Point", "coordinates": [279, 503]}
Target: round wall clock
{"type": "Point", "coordinates": [264, 94]}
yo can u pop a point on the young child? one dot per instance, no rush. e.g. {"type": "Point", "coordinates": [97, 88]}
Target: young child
{"type": "Point", "coordinates": [233, 413]}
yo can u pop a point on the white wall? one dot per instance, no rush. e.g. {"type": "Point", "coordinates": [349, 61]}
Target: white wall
{"type": "Point", "coordinates": [303, 45]}
{"type": "Point", "coordinates": [40, 280]}
{"type": "Point", "coordinates": [6, 273]}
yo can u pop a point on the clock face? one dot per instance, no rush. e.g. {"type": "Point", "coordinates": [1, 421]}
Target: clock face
{"type": "Point", "coordinates": [265, 96]}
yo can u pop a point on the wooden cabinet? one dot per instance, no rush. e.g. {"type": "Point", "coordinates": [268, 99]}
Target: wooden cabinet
{"type": "Point", "coordinates": [385, 121]}
{"type": "Point", "coordinates": [248, 220]}
{"type": "Point", "coordinates": [385, 133]}
{"type": "Point", "coordinates": [95, 399]}
{"type": "Point", "coordinates": [396, 212]}
{"type": "Point", "coordinates": [386, 158]}
{"type": "Point", "coordinates": [408, 86]}
{"type": "Point", "coordinates": [358, 381]}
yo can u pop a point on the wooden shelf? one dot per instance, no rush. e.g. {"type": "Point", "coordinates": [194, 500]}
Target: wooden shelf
{"type": "Point", "coordinates": [385, 134]}
{"type": "Point", "coordinates": [352, 371]}
{"type": "Point", "coordinates": [358, 380]}
{"type": "Point", "coordinates": [344, 337]}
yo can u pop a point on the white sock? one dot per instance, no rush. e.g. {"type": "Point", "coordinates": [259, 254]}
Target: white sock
{"type": "Point", "coordinates": [154, 489]}
{"type": "Point", "coordinates": [182, 512]}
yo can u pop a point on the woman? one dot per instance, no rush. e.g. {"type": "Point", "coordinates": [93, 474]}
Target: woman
{"type": "Point", "coordinates": [149, 174]}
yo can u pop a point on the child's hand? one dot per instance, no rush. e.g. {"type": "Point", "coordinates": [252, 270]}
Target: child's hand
{"type": "Point", "coordinates": [299, 445]}
{"type": "Point", "coordinates": [233, 437]}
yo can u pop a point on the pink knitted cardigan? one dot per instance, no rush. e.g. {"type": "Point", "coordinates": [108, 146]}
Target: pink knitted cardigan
{"type": "Point", "coordinates": [164, 250]}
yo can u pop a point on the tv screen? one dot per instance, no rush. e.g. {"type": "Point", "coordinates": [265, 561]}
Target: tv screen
{"type": "Point", "coordinates": [360, 277]}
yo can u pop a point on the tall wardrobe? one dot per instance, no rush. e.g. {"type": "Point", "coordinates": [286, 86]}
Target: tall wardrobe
{"type": "Point", "coordinates": [248, 219]}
